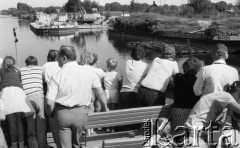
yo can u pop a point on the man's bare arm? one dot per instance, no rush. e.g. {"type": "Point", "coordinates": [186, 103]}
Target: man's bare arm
{"type": "Point", "coordinates": [102, 97]}
{"type": "Point", "coordinates": [49, 106]}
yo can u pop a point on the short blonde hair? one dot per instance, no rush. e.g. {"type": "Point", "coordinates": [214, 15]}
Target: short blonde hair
{"type": "Point", "coordinates": [168, 51]}
{"type": "Point", "coordinates": [111, 64]}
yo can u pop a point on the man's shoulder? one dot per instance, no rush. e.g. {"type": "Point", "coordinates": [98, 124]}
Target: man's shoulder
{"type": "Point", "coordinates": [215, 68]}
{"type": "Point", "coordinates": [50, 65]}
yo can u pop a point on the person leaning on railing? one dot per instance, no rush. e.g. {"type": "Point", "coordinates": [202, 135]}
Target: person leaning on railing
{"type": "Point", "coordinates": [69, 95]}
{"type": "Point", "coordinates": [154, 85]}
{"type": "Point", "coordinates": [135, 71]}
{"type": "Point", "coordinates": [183, 92]}
{"type": "Point", "coordinates": [207, 111]}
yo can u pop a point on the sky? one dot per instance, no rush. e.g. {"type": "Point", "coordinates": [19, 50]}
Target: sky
{"type": "Point", "coordinates": [5, 4]}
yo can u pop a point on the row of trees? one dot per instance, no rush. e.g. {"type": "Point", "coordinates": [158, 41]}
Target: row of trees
{"type": "Point", "coordinates": [79, 6]}
{"type": "Point", "coordinates": [205, 7]}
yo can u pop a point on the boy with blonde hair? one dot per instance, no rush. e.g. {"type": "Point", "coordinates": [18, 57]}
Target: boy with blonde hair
{"type": "Point", "coordinates": [112, 83]}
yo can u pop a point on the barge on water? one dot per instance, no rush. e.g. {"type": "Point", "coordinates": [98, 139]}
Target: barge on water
{"type": "Point", "coordinates": [52, 30]}
{"type": "Point", "coordinates": [200, 36]}
{"type": "Point", "coordinates": [60, 30]}
{"type": "Point", "coordinates": [229, 40]}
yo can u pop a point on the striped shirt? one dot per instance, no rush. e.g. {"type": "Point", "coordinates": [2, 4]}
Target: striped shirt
{"type": "Point", "coordinates": [32, 79]}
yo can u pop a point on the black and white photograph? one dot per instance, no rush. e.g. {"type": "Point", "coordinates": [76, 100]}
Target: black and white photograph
{"type": "Point", "coordinates": [119, 73]}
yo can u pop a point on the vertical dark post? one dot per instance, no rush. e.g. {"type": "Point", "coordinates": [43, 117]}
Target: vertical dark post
{"type": "Point", "coordinates": [16, 40]}
{"type": "Point", "coordinates": [188, 45]}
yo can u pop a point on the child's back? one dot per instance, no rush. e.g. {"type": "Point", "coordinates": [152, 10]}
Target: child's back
{"type": "Point", "coordinates": [112, 81]}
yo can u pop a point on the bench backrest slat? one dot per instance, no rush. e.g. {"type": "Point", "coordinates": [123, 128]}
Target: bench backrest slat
{"type": "Point", "coordinates": [126, 116]}
{"type": "Point", "coordinates": [130, 110]}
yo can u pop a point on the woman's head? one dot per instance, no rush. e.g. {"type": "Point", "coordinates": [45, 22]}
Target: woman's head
{"type": "Point", "coordinates": [8, 63]}
{"type": "Point", "coordinates": [138, 53]}
{"type": "Point", "coordinates": [191, 66]}
{"type": "Point", "coordinates": [168, 51]}
{"type": "Point", "coordinates": [234, 90]}
{"type": "Point", "coordinates": [52, 55]}
{"type": "Point", "coordinates": [86, 58]}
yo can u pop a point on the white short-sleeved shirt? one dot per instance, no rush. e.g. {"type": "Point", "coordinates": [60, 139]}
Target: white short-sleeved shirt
{"type": "Point", "coordinates": [100, 73]}
{"type": "Point", "coordinates": [134, 73]}
{"type": "Point", "coordinates": [111, 80]}
{"type": "Point", "coordinates": [50, 69]}
{"type": "Point", "coordinates": [208, 108]}
{"type": "Point", "coordinates": [1, 61]}
{"type": "Point", "coordinates": [160, 73]}
{"type": "Point", "coordinates": [73, 85]}
{"type": "Point", "coordinates": [214, 77]}
{"type": "Point", "coordinates": [1, 105]}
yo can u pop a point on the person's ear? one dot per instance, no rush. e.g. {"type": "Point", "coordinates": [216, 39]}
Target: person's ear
{"type": "Point", "coordinates": [64, 58]}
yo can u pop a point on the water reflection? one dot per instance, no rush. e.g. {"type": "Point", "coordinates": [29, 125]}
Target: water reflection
{"type": "Point", "coordinates": [105, 44]}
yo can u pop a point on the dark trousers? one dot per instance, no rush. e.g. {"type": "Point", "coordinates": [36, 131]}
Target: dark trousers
{"type": "Point", "coordinates": [150, 97]}
{"type": "Point", "coordinates": [70, 122]}
{"type": "Point", "coordinates": [127, 100]}
{"type": "Point", "coordinates": [15, 123]}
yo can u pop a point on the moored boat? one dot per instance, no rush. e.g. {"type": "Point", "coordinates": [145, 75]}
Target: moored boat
{"type": "Point", "coordinates": [53, 30]}
{"type": "Point", "coordinates": [229, 40]}
{"type": "Point", "coordinates": [66, 24]}
{"type": "Point", "coordinates": [200, 36]}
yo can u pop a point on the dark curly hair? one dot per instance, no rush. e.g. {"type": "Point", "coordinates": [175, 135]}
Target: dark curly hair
{"type": "Point", "coordinates": [191, 66]}
{"type": "Point", "coordinates": [52, 55]}
{"type": "Point", "coordinates": [9, 64]}
{"type": "Point", "coordinates": [235, 87]}
{"type": "Point", "coordinates": [138, 53]}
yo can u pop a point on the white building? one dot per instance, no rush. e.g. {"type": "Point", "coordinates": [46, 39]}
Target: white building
{"type": "Point", "coordinates": [62, 17]}
{"type": "Point", "coordinates": [43, 18]}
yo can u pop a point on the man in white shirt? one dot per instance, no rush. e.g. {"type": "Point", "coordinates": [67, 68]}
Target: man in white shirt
{"type": "Point", "coordinates": [50, 69]}
{"type": "Point", "coordinates": [69, 95]}
{"type": "Point", "coordinates": [214, 77]}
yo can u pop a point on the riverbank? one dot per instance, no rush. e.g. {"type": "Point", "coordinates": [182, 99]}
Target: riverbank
{"type": "Point", "coordinates": [157, 26]}
{"type": "Point", "coordinates": [154, 23]}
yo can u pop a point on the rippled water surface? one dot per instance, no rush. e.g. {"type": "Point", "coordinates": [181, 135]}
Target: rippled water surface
{"type": "Point", "coordinates": [106, 45]}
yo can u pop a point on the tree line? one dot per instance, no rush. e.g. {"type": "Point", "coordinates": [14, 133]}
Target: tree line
{"type": "Point", "coordinates": [193, 7]}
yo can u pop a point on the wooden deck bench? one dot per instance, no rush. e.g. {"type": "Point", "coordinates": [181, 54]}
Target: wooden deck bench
{"type": "Point", "coordinates": [123, 117]}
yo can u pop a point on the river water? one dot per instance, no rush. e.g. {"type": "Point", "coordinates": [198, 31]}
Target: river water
{"type": "Point", "coordinates": [101, 42]}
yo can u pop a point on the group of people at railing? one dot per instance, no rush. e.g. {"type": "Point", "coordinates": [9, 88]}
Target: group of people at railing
{"type": "Point", "coordinates": [65, 91]}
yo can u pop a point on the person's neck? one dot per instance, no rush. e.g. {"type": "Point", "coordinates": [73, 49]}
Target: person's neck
{"type": "Point", "coordinates": [222, 60]}
{"type": "Point", "coordinates": [111, 70]}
